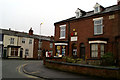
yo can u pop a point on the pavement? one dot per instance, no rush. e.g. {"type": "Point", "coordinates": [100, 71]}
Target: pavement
{"type": "Point", "coordinates": [40, 71]}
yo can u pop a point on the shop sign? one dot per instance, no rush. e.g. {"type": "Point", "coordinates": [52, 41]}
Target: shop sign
{"type": "Point", "coordinates": [73, 38]}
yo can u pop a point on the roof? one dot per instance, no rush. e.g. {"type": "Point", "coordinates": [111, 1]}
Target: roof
{"type": "Point", "coordinates": [23, 34]}
{"type": "Point", "coordinates": [91, 13]}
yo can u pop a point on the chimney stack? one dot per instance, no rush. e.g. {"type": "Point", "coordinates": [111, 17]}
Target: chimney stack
{"type": "Point", "coordinates": [30, 31]}
{"type": "Point", "coordinates": [118, 1]}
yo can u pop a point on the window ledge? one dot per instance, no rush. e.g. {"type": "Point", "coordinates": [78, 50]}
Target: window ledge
{"type": "Point", "coordinates": [98, 34]}
{"type": "Point", "coordinates": [62, 38]}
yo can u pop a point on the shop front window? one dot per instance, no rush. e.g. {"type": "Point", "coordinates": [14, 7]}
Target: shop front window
{"type": "Point", "coordinates": [60, 51]}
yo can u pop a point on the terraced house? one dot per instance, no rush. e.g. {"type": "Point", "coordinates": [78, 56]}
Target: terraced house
{"type": "Point", "coordinates": [23, 45]}
{"type": "Point", "coordinates": [89, 35]}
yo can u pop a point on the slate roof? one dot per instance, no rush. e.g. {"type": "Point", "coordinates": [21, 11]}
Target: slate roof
{"type": "Point", "coordinates": [23, 34]}
{"type": "Point", "coordinates": [91, 13]}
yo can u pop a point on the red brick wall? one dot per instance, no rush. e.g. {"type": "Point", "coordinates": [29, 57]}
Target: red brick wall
{"type": "Point", "coordinates": [46, 45]}
{"type": "Point", "coordinates": [35, 49]}
{"type": "Point", "coordinates": [85, 69]}
{"type": "Point", "coordinates": [85, 29]}
{"type": "Point", "coordinates": [57, 32]}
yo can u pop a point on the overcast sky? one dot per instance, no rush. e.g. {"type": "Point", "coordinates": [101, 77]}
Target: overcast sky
{"type": "Point", "coordinates": [21, 15]}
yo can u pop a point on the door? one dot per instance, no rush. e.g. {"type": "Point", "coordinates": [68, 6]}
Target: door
{"type": "Point", "coordinates": [74, 50]}
{"type": "Point", "coordinates": [82, 51]}
{"type": "Point", "coordinates": [21, 53]}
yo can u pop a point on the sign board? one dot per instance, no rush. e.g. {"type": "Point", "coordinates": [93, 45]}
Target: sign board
{"type": "Point", "coordinates": [73, 38]}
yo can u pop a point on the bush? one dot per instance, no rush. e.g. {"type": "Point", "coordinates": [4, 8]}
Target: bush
{"type": "Point", "coordinates": [72, 60]}
{"type": "Point", "coordinates": [107, 59]}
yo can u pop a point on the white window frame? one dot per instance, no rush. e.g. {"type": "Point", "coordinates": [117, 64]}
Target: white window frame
{"type": "Point", "coordinates": [100, 25]}
{"type": "Point", "coordinates": [40, 44]}
{"type": "Point", "coordinates": [94, 52]}
{"type": "Point", "coordinates": [26, 52]}
{"type": "Point", "coordinates": [30, 41]}
{"type": "Point", "coordinates": [12, 40]}
{"type": "Point", "coordinates": [102, 49]}
{"type": "Point", "coordinates": [61, 26]}
{"type": "Point", "coordinates": [97, 10]}
{"type": "Point", "coordinates": [97, 6]}
{"type": "Point", "coordinates": [23, 40]}
{"type": "Point", "coordinates": [78, 13]}
{"type": "Point", "coordinates": [51, 45]}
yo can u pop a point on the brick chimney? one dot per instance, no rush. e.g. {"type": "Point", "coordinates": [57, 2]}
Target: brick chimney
{"type": "Point", "coordinates": [118, 1]}
{"type": "Point", "coordinates": [30, 31]}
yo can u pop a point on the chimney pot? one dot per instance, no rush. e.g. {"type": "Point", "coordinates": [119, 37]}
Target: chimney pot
{"type": "Point", "coordinates": [30, 31]}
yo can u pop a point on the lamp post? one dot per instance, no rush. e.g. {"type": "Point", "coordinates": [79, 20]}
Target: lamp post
{"type": "Point", "coordinates": [40, 27]}
{"type": "Point", "coordinates": [39, 54]}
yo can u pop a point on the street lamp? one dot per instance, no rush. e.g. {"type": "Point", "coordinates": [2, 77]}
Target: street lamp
{"type": "Point", "coordinates": [40, 27]}
{"type": "Point", "coordinates": [39, 54]}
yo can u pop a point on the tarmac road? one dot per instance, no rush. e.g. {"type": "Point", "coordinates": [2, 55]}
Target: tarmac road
{"type": "Point", "coordinates": [12, 70]}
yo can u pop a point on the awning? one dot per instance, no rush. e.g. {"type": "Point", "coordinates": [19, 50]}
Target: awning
{"type": "Point", "coordinates": [61, 43]}
{"type": "Point", "coordinates": [13, 46]}
{"type": "Point", "coordinates": [104, 42]}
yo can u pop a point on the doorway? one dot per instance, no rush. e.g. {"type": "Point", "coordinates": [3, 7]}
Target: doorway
{"type": "Point", "coordinates": [74, 50]}
{"type": "Point", "coordinates": [82, 51]}
{"type": "Point", "coordinates": [21, 52]}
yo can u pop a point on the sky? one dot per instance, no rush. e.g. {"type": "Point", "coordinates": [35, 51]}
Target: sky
{"type": "Point", "coordinates": [21, 15]}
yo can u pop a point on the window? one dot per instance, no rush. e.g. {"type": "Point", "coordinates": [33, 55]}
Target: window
{"type": "Point", "coordinates": [14, 51]}
{"type": "Point", "coordinates": [97, 8]}
{"type": "Point", "coordinates": [98, 26]}
{"type": "Point", "coordinates": [51, 45]}
{"type": "Point", "coordinates": [26, 52]}
{"type": "Point", "coordinates": [102, 49]}
{"type": "Point", "coordinates": [30, 41]}
{"type": "Point", "coordinates": [23, 40]}
{"type": "Point", "coordinates": [97, 49]}
{"type": "Point", "coordinates": [40, 44]}
{"type": "Point", "coordinates": [94, 50]}
{"type": "Point", "coordinates": [62, 31]}
{"type": "Point", "coordinates": [78, 13]}
{"type": "Point", "coordinates": [11, 40]}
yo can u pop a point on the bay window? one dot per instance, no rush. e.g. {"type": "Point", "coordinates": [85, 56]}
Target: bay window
{"type": "Point", "coordinates": [97, 50]}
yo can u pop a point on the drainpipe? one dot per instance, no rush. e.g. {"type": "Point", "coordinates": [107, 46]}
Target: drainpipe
{"type": "Point", "coordinates": [68, 37]}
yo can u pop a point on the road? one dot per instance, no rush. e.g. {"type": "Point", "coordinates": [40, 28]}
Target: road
{"type": "Point", "coordinates": [12, 70]}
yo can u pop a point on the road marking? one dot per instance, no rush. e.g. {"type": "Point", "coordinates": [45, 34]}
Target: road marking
{"type": "Point", "coordinates": [35, 72]}
{"type": "Point", "coordinates": [19, 70]}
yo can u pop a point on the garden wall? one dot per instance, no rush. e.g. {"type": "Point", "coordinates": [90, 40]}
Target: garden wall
{"type": "Point", "coordinates": [100, 71]}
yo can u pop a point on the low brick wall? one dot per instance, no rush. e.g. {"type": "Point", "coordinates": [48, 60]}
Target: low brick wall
{"type": "Point", "coordinates": [105, 72]}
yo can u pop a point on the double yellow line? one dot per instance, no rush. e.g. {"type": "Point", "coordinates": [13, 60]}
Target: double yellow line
{"type": "Point", "coordinates": [19, 70]}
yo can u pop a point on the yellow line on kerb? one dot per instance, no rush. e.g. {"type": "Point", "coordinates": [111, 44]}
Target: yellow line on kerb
{"type": "Point", "coordinates": [19, 70]}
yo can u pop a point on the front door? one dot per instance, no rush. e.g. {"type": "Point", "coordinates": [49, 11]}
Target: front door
{"type": "Point", "coordinates": [21, 53]}
{"type": "Point", "coordinates": [82, 51]}
{"type": "Point", "coordinates": [74, 50]}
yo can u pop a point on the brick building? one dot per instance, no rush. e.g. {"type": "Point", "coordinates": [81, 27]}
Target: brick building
{"type": "Point", "coordinates": [41, 43]}
{"type": "Point", "coordinates": [23, 45]}
{"type": "Point", "coordinates": [89, 35]}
